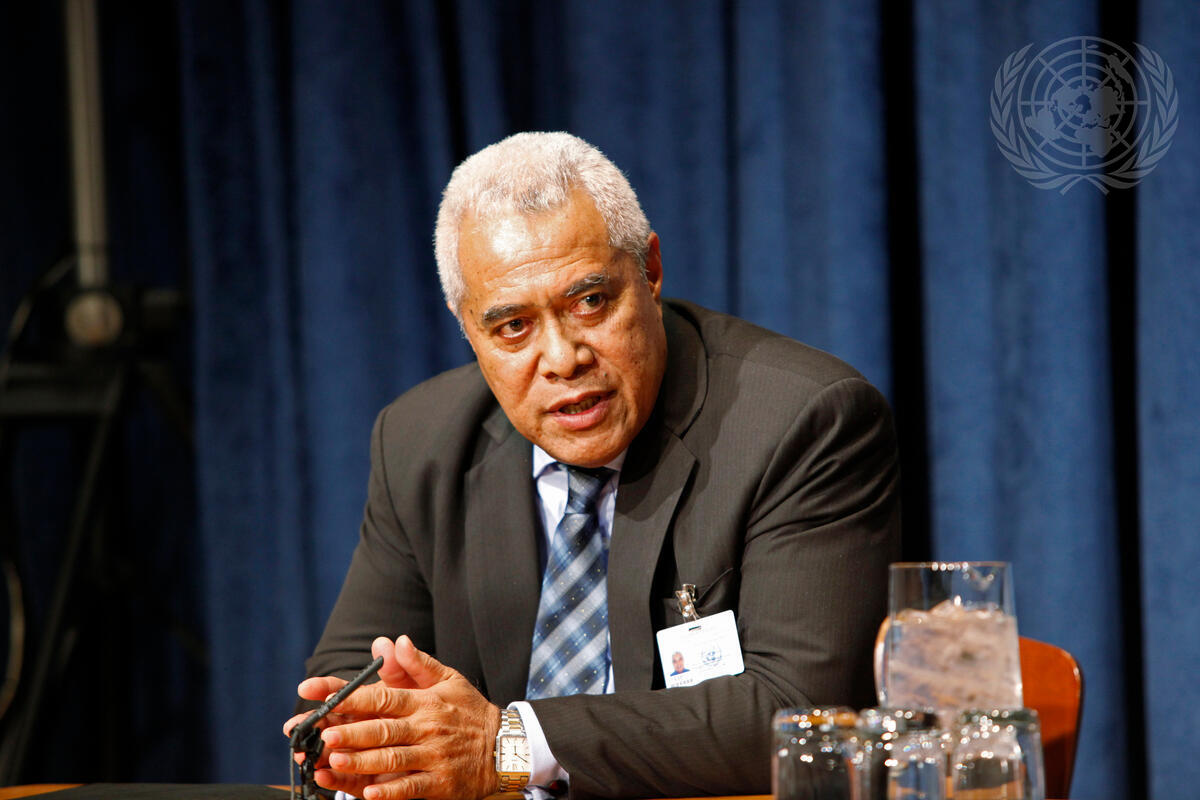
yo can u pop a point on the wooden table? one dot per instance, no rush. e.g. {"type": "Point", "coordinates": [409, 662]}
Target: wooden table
{"type": "Point", "coordinates": [12, 792]}
{"type": "Point", "coordinates": [30, 790]}
{"type": "Point", "coordinates": [8, 792]}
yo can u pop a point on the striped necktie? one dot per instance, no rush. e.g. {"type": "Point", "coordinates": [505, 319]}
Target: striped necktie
{"type": "Point", "coordinates": [570, 639]}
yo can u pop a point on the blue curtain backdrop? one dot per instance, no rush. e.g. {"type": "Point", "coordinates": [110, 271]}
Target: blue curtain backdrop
{"type": "Point", "coordinates": [824, 169]}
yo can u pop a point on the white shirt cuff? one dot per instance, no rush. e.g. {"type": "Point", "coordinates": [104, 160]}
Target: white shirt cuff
{"type": "Point", "coordinates": [543, 767]}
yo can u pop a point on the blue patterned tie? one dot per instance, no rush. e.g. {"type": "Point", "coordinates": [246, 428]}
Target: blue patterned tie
{"type": "Point", "coordinates": [570, 640]}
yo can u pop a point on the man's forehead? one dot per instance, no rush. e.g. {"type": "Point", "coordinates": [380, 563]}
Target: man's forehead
{"type": "Point", "coordinates": [509, 232]}
{"type": "Point", "coordinates": [557, 252]}
{"type": "Point", "coordinates": [506, 235]}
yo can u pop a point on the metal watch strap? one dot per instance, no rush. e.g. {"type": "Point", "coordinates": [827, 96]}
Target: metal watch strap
{"type": "Point", "coordinates": [512, 727]}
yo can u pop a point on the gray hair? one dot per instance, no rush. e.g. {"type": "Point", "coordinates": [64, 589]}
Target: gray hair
{"type": "Point", "coordinates": [528, 173]}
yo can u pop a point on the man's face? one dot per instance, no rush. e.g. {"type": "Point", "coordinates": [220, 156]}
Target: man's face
{"type": "Point", "coordinates": [567, 332]}
{"type": "Point", "coordinates": [677, 662]}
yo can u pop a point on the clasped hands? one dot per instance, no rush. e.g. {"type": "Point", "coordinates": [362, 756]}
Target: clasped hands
{"type": "Point", "coordinates": [422, 731]}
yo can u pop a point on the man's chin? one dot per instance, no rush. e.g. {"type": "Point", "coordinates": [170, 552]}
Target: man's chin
{"type": "Point", "coordinates": [582, 453]}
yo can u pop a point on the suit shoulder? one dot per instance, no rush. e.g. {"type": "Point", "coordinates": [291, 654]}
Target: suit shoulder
{"type": "Point", "coordinates": [438, 405]}
{"type": "Point", "coordinates": [745, 345]}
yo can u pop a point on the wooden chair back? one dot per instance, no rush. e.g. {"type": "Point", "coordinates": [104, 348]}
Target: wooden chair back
{"type": "Point", "coordinates": [1053, 687]}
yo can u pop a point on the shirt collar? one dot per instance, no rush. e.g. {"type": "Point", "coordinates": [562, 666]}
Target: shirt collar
{"type": "Point", "coordinates": [543, 461]}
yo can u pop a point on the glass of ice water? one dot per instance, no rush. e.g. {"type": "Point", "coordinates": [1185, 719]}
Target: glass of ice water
{"type": "Point", "coordinates": [950, 642]}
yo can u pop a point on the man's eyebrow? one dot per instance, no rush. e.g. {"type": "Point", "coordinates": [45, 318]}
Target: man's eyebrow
{"type": "Point", "coordinates": [581, 286]}
{"type": "Point", "coordinates": [497, 313]}
{"type": "Point", "coordinates": [586, 284]}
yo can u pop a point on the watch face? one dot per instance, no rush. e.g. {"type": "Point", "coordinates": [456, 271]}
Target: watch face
{"type": "Point", "coordinates": [514, 753]}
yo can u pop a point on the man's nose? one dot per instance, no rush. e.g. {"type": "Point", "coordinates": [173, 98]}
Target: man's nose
{"type": "Point", "coordinates": [564, 352]}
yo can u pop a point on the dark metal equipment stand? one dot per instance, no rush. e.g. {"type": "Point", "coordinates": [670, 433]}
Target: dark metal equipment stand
{"type": "Point", "coordinates": [104, 342]}
{"type": "Point", "coordinates": [46, 393]}
{"type": "Point", "coordinates": [90, 395]}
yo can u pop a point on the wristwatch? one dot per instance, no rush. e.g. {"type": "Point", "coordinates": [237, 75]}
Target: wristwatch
{"type": "Point", "coordinates": [512, 752]}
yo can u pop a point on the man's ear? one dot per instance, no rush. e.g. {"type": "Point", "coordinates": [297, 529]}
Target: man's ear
{"type": "Point", "coordinates": [654, 268]}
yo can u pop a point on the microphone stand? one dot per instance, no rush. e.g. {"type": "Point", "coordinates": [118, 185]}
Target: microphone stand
{"type": "Point", "coordinates": [306, 737]}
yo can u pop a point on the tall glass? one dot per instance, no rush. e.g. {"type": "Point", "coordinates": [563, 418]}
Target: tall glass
{"type": "Point", "coordinates": [951, 639]}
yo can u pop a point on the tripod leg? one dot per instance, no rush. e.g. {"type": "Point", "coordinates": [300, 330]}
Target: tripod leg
{"type": "Point", "coordinates": [16, 740]}
{"type": "Point", "coordinates": [15, 655]}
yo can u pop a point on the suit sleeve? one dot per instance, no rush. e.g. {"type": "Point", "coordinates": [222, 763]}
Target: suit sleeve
{"type": "Point", "coordinates": [384, 592]}
{"type": "Point", "coordinates": [823, 526]}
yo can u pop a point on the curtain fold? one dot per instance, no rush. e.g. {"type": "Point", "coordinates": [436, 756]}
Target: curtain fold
{"type": "Point", "coordinates": [1168, 381]}
{"type": "Point", "coordinates": [253, 480]}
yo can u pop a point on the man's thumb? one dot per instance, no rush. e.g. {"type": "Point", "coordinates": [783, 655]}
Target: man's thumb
{"type": "Point", "coordinates": [423, 669]}
{"type": "Point", "coordinates": [391, 673]}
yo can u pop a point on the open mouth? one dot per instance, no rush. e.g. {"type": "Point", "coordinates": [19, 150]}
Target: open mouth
{"type": "Point", "coordinates": [585, 413]}
{"type": "Point", "coordinates": [581, 406]}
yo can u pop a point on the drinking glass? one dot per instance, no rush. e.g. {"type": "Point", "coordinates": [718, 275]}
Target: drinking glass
{"type": "Point", "coordinates": [950, 642]}
{"type": "Point", "coordinates": [901, 755]}
{"type": "Point", "coordinates": [815, 753]}
{"type": "Point", "coordinates": [999, 756]}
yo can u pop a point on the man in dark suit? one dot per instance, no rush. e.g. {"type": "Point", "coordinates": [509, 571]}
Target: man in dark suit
{"type": "Point", "coordinates": [758, 469]}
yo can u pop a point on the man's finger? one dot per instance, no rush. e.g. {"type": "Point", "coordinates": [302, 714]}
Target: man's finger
{"type": "Point", "coordinates": [329, 720]}
{"type": "Point", "coordinates": [319, 688]}
{"type": "Point", "coordinates": [377, 700]}
{"type": "Point", "coordinates": [424, 669]}
{"type": "Point", "coordinates": [419, 784]}
{"type": "Point", "coordinates": [335, 781]}
{"type": "Point", "coordinates": [291, 723]}
{"type": "Point", "coordinates": [381, 759]}
{"type": "Point", "coordinates": [322, 760]}
{"type": "Point", "coordinates": [378, 732]}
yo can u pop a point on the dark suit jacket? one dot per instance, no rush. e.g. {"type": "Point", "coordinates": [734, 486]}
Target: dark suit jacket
{"type": "Point", "coordinates": [767, 476]}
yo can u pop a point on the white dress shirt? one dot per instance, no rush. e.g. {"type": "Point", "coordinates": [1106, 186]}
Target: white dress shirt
{"type": "Point", "coordinates": [551, 480]}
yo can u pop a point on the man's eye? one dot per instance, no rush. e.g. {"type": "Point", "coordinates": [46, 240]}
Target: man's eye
{"type": "Point", "coordinates": [592, 301]}
{"type": "Point", "coordinates": [514, 327]}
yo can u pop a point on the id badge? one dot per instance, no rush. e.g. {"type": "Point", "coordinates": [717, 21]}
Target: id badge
{"type": "Point", "coordinates": [695, 651]}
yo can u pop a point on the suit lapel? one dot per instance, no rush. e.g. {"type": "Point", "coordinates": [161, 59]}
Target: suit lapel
{"type": "Point", "coordinates": [653, 480]}
{"type": "Point", "coordinates": [650, 490]}
{"type": "Point", "coordinates": [503, 580]}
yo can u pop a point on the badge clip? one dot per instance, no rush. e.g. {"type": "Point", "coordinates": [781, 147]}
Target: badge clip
{"type": "Point", "coordinates": [687, 602]}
